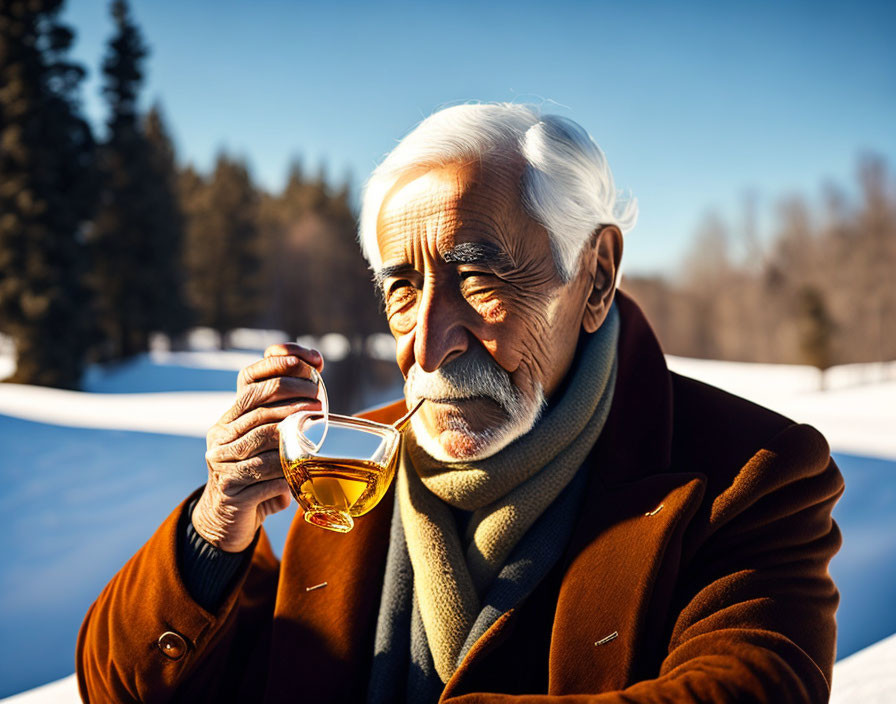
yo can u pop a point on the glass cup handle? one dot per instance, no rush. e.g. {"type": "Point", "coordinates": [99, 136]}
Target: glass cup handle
{"type": "Point", "coordinates": [324, 406]}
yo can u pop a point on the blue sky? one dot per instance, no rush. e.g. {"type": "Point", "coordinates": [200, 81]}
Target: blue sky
{"type": "Point", "coordinates": [694, 103]}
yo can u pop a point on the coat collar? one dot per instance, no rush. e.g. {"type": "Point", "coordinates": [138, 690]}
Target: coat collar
{"type": "Point", "coordinates": [637, 439]}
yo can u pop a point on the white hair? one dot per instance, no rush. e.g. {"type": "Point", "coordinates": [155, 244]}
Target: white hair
{"type": "Point", "coordinates": [566, 185]}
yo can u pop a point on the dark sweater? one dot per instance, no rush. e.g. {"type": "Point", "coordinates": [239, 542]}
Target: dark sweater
{"type": "Point", "coordinates": [206, 570]}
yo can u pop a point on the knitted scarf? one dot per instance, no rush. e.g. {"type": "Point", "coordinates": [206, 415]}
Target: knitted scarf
{"type": "Point", "coordinates": [505, 493]}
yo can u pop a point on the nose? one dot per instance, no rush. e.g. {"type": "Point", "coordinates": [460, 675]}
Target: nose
{"type": "Point", "coordinates": [440, 331]}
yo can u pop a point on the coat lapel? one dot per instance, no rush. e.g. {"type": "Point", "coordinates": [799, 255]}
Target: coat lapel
{"type": "Point", "coordinates": [631, 544]}
{"type": "Point", "coordinates": [326, 607]}
{"type": "Point", "coordinates": [625, 551]}
{"type": "Point", "coordinates": [322, 633]}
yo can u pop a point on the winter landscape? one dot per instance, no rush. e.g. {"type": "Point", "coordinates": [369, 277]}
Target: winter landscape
{"type": "Point", "coordinates": [89, 475]}
{"type": "Point", "coordinates": [192, 173]}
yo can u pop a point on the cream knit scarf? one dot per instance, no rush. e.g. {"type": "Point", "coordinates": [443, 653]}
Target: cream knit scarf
{"type": "Point", "coordinates": [506, 494]}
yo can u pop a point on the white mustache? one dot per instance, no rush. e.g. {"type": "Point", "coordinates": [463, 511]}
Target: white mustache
{"type": "Point", "coordinates": [473, 374]}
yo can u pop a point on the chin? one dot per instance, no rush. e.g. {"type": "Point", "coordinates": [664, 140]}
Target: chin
{"type": "Point", "coordinates": [458, 442]}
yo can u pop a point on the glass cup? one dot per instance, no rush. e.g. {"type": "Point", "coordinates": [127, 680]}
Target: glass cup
{"type": "Point", "coordinates": [337, 466]}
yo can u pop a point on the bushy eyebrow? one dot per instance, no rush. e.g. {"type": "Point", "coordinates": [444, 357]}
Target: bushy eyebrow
{"type": "Point", "coordinates": [387, 272]}
{"type": "Point", "coordinates": [478, 253]}
{"type": "Point", "coordinates": [483, 253]}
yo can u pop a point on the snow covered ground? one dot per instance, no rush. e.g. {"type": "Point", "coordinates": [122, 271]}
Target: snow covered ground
{"type": "Point", "coordinates": [857, 412]}
{"type": "Point", "coordinates": [87, 477]}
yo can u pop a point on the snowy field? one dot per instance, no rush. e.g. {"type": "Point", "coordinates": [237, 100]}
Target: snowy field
{"type": "Point", "coordinates": [857, 412]}
{"type": "Point", "coordinates": [88, 476]}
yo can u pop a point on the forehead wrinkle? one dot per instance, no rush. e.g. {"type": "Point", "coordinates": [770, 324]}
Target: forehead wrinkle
{"type": "Point", "coordinates": [491, 205]}
{"type": "Point", "coordinates": [414, 208]}
{"type": "Point", "coordinates": [435, 208]}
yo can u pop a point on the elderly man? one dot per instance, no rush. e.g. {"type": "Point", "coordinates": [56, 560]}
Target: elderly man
{"type": "Point", "coordinates": [569, 519]}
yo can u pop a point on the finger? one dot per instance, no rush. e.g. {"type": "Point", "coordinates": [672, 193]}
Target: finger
{"type": "Point", "coordinates": [229, 432]}
{"type": "Point", "coordinates": [233, 478]}
{"type": "Point", "coordinates": [265, 491]}
{"type": "Point", "coordinates": [269, 391]}
{"type": "Point", "coordinates": [310, 356]}
{"type": "Point", "coordinates": [274, 505]}
{"type": "Point", "coordinates": [260, 439]}
{"type": "Point", "coordinates": [269, 367]}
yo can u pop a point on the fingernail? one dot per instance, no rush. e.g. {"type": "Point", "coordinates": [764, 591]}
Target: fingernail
{"type": "Point", "coordinates": [316, 354]}
{"type": "Point", "coordinates": [291, 360]}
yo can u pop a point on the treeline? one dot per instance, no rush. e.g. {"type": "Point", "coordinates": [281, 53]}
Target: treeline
{"type": "Point", "coordinates": [818, 290]}
{"type": "Point", "coordinates": [105, 241]}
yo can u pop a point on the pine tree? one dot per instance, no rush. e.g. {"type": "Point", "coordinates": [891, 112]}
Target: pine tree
{"type": "Point", "coordinates": [167, 310]}
{"type": "Point", "coordinates": [119, 238]}
{"type": "Point", "coordinates": [361, 306]}
{"type": "Point", "coordinates": [816, 330]}
{"type": "Point", "coordinates": [316, 280]}
{"type": "Point", "coordinates": [46, 195]}
{"type": "Point", "coordinates": [222, 252]}
{"type": "Point", "coordinates": [137, 233]}
{"type": "Point", "coordinates": [284, 255]}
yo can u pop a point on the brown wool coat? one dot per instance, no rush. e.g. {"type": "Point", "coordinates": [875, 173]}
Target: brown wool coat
{"type": "Point", "coordinates": [697, 572]}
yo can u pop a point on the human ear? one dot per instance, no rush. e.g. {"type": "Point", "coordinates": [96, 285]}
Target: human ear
{"type": "Point", "coordinates": [604, 255]}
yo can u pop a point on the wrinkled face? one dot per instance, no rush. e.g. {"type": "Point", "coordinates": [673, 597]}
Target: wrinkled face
{"type": "Point", "coordinates": [485, 326]}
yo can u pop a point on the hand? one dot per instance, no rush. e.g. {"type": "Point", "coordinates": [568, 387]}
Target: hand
{"type": "Point", "coordinates": [245, 481]}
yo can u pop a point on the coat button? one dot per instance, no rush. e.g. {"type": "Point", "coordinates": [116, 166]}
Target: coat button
{"type": "Point", "coordinates": [172, 645]}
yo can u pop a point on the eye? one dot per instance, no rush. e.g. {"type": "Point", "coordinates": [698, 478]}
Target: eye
{"type": "Point", "coordinates": [475, 274]}
{"type": "Point", "coordinates": [396, 285]}
{"type": "Point", "coordinates": [400, 296]}
{"type": "Point", "coordinates": [478, 281]}
{"type": "Point", "coordinates": [401, 304]}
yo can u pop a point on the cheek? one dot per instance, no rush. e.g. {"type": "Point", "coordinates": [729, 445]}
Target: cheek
{"type": "Point", "coordinates": [401, 309]}
{"type": "Point", "coordinates": [529, 346]}
{"type": "Point", "coordinates": [491, 309]}
{"type": "Point", "coordinates": [402, 320]}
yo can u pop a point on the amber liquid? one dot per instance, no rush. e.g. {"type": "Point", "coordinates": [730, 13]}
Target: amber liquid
{"type": "Point", "coordinates": [353, 486]}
